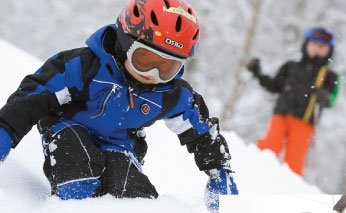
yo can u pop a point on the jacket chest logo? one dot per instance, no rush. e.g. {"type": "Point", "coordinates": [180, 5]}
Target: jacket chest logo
{"type": "Point", "coordinates": [145, 109]}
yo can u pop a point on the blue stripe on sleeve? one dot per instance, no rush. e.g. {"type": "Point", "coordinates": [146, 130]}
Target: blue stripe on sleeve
{"type": "Point", "coordinates": [73, 72]}
{"type": "Point", "coordinates": [53, 85]}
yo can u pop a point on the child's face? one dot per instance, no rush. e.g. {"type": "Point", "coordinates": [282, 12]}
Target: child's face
{"type": "Point", "coordinates": [138, 77]}
{"type": "Point", "coordinates": [317, 49]}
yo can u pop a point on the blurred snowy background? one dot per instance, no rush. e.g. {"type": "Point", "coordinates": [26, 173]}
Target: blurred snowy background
{"type": "Point", "coordinates": [232, 32]}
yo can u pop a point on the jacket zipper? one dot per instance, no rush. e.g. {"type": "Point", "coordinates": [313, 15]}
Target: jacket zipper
{"type": "Point", "coordinates": [105, 102]}
{"type": "Point", "coordinates": [131, 100]}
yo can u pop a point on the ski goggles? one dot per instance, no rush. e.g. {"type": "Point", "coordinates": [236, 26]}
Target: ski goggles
{"type": "Point", "coordinates": [150, 62]}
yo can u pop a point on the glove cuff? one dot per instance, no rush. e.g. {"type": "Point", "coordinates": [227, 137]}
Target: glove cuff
{"type": "Point", "coordinates": [5, 137]}
{"type": "Point", "coordinates": [215, 173]}
{"type": "Point", "coordinates": [5, 143]}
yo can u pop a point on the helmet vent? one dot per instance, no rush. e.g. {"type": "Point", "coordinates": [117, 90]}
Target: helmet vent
{"type": "Point", "coordinates": [178, 24]}
{"type": "Point", "coordinates": [136, 11]}
{"type": "Point", "coordinates": [189, 11]}
{"type": "Point", "coordinates": [154, 18]}
{"type": "Point", "coordinates": [196, 35]}
{"type": "Point", "coordinates": [167, 4]}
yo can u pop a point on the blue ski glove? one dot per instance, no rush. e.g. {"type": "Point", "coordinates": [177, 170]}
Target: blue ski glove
{"type": "Point", "coordinates": [5, 143]}
{"type": "Point", "coordinates": [220, 183]}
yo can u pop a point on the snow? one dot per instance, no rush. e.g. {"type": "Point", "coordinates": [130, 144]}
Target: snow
{"type": "Point", "coordinates": [224, 28]}
{"type": "Point", "coordinates": [24, 188]}
{"type": "Point", "coordinates": [280, 203]}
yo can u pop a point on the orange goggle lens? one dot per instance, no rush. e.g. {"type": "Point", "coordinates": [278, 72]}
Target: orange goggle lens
{"type": "Point", "coordinates": [145, 60]}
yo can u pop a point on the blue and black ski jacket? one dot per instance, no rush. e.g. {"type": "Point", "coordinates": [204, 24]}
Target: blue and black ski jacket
{"type": "Point", "coordinates": [89, 87]}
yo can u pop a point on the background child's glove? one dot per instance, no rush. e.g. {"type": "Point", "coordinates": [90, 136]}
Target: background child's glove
{"type": "Point", "coordinates": [254, 66]}
{"type": "Point", "coordinates": [220, 183]}
{"type": "Point", "coordinates": [5, 143]}
{"type": "Point", "coordinates": [322, 96]}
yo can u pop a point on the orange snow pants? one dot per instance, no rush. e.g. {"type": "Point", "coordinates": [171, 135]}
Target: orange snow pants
{"type": "Point", "coordinates": [291, 133]}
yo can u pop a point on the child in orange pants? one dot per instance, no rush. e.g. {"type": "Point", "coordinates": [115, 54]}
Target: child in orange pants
{"type": "Point", "coordinates": [301, 86]}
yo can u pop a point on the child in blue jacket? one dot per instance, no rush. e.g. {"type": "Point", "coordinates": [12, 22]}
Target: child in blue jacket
{"type": "Point", "coordinates": [91, 105]}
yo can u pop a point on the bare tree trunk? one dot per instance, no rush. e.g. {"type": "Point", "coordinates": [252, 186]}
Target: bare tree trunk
{"type": "Point", "coordinates": [239, 84]}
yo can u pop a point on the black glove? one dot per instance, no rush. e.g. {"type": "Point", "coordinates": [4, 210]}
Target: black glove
{"type": "Point", "coordinates": [211, 149]}
{"type": "Point", "coordinates": [322, 96]}
{"type": "Point", "coordinates": [254, 66]}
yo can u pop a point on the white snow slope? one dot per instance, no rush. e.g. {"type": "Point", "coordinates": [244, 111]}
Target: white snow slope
{"type": "Point", "coordinates": [23, 187]}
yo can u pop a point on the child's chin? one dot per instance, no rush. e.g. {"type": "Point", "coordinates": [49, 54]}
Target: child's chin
{"type": "Point", "coordinates": [147, 80]}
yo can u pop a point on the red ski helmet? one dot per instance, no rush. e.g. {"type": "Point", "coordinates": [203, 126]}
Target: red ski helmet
{"type": "Point", "coordinates": [170, 26]}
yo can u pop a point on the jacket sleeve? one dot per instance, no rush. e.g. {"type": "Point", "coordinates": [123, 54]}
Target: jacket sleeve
{"type": "Point", "coordinates": [198, 132]}
{"type": "Point", "coordinates": [274, 85]}
{"type": "Point", "coordinates": [59, 80]}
